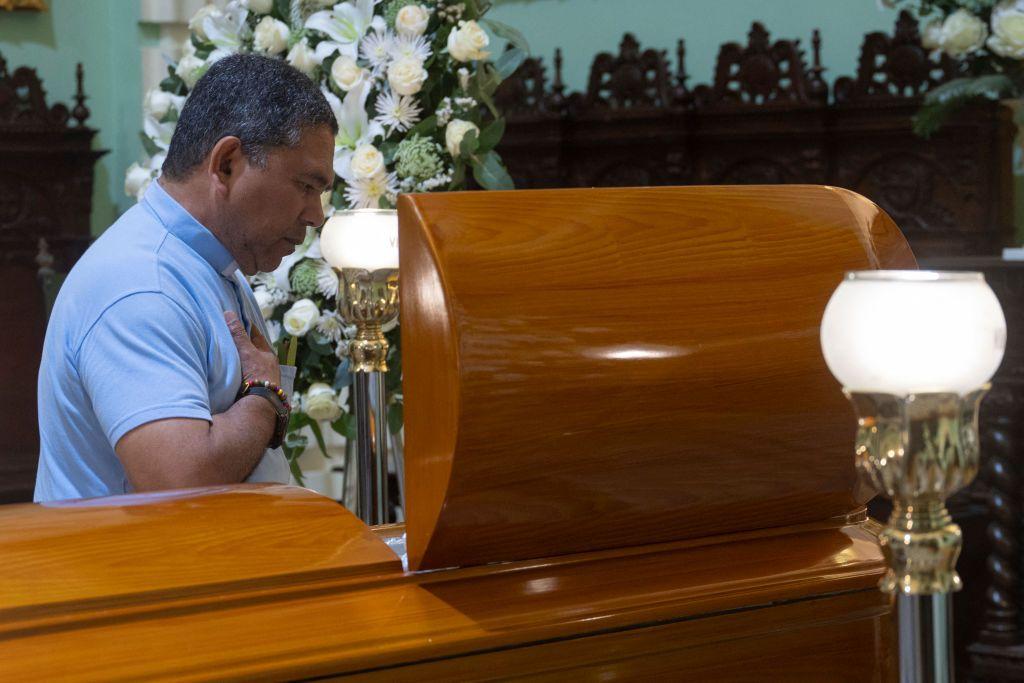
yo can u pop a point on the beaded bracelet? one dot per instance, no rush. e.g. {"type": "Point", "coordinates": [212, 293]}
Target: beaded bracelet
{"type": "Point", "coordinates": [249, 384]}
{"type": "Point", "coordinates": [277, 398]}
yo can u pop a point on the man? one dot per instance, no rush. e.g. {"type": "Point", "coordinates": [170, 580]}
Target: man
{"type": "Point", "coordinates": [147, 346]}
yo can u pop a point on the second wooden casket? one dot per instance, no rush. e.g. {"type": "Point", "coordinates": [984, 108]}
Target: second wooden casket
{"type": "Point", "coordinates": [625, 459]}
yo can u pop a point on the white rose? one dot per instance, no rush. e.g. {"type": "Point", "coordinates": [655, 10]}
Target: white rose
{"type": "Point", "coordinates": [367, 161]}
{"type": "Point", "coordinates": [467, 42]}
{"type": "Point", "coordinates": [265, 300]}
{"type": "Point", "coordinates": [963, 33]}
{"type": "Point", "coordinates": [406, 75]}
{"type": "Point", "coordinates": [270, 36]}
{"type": "Point", "coordinates": [453, 134]}
{"type": "Point", "coordinates": [931, 35]}
{"type": "Point", "coordinates": [346, 73]}
{"type": "Point", "coordinates": [301, 317]}
{"type": "Point", "coordinates": [321, 403]}
{"type": "Point", "coordinates": [302, 58]}
{"type": "Point", "coordinates": [1008, 29]}
{"type": "Point", "coordinates": [195, 24]}
{"type": "Point", "coordinates": [412, 20]}
{"type": "Point", "coordinates": [159, 102]}
{"type": "Point", "coordinates": [136, 180]}
{"type": "Point", "coordinates": [258, 6]}
{"type": "Point", "coordinates": [189, 69]}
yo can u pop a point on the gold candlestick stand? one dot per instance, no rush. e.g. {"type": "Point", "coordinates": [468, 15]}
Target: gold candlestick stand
{"type": "Point", "coordinates": [919, 450]}
{"type": "Point", "coordinates": [369, 300]}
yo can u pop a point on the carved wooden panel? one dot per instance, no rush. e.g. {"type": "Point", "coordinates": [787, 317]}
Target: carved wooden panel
{"type": "Point", "coordinates": [767, 118]}
{"type": "Point", "coordinates": [46, 175]}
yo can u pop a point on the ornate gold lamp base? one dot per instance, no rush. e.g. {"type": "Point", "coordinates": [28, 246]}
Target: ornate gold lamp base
{"type": "Point", "coordinates": [919, 449]}
{"type": "Point", "coordinates": [369, 300]}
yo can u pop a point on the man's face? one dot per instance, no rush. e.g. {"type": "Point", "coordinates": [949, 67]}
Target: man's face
{"type": "Point", "coordinates": [269, 208]}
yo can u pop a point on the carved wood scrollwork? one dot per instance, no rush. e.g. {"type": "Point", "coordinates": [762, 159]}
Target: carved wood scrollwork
{"type": "Point", "coordinates": [896, 66]}
{"type": "Point", "coordinates": [23, 100]}
{"type": "Point", "coordinates": [630, 79]}
{"type": "Point", "coordinates": [761, 73]}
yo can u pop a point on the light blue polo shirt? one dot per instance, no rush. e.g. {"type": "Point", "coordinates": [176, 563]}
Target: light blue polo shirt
{"type": "Point", "coordinates": [137, 334]}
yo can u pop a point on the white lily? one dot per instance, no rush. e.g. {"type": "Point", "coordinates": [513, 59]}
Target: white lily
{"type": "Point", "coordinates": [159, 133]}
{"type": "Point", "coordinates": [345, 25]}
{"type": "Point", "coordinates": [225, 28]}
{"type": "Point", "coordinates": [354, 127]}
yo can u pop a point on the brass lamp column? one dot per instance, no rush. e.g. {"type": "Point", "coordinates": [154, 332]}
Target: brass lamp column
{"type": "Point", "coordinates": [914, 351]}
{"type": "Point", "coordinates": [362, 245]}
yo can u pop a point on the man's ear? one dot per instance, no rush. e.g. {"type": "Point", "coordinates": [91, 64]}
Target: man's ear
{"type": "Point", "coordinates": [224, 163]}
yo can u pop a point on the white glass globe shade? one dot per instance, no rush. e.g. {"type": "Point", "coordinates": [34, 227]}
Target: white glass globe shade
{"type": "Point", "coordinates": [361, 238]}
{"type": "Point", "coordinates": [907, 331]}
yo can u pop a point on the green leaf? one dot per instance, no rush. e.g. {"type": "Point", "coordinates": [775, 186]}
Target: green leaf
{"type": "Point", "coordinates": [491, 135]}
{"type": "Point", "coordinates": [949, 98]}
{"type": "Point", "coordinates": [425, 128]}
{"type": "Point", "coordinates": [388, 149]}
{"type": "Point", "coordinates": [458, 177]}
{"type": "Point", "coordinates": [318, 435]}
{"type": "Point", "coordinates": [283, 10]}
{"type": "Point", "coordinates": [321, 346]}
{"type": "Point", "coordinates": [472, 10]}
{"type": "Point", "coordinates": [396, 417]}
{"type": "Point", "coordinates": [147, 144]}
{"type": "Point", "coordinates": [483, 84]}
{"type": "Point", "coordinates": [173, 84]}
{"type": "Point", "coordinates": [490, 172]}
{"type": "Point", "coordinates": [509, 61]}
{"type": "Point", "coordinates": [293, 465]}
{"type": "Point", "coordinates": [346, 426]}
{"type": "Point", "coordinates": [469, 144]}
{"type": "Point", "coordinates": [512, 35]}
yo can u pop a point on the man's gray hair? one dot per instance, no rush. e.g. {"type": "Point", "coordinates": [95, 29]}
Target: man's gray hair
{"type": "Point", "coordinates": [262, 101]}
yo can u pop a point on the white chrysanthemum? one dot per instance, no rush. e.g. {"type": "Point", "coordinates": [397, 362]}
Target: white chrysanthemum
{"type": "Point", "coordinates": [375, 48]}
{"type": "Point", "coordinates": [396, 112]}
{"type": "Point", "coordinates": [326, 279]}
{"type": "Point", "coordinates": [409, 46]}
{"type": "Point", "coordinates": [330, 326]}
{"type": "Point", "coordinates": [366, 193]}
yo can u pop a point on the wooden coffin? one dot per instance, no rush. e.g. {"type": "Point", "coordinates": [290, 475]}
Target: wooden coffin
{"type": "Point", "coordinates": [625, 459]}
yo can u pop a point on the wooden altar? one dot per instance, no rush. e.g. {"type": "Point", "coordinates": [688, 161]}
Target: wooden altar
{"type": "Point", "coordinates": [771, 117]}
{"type": "Point", "coordinates": [625, 459]}
{"type": "Point", "coordinates": [46, 171]}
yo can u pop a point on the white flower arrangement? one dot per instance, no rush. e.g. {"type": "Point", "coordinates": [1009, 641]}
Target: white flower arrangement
{"type": "Point", "coordinates": [986, 37]}
{"type": "Point", "coordinates": [410, 83]}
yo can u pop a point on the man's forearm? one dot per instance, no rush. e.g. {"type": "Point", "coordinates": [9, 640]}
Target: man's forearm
{"type": "Point", "coordinates": [238, 439]}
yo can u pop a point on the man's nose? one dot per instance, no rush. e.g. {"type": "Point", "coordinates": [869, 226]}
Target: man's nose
{"type": "Point", "coordinates": [314, 213]}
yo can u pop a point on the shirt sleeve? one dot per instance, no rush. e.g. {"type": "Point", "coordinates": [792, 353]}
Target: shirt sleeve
{"type": "Point", "coordinates": [143, 360]}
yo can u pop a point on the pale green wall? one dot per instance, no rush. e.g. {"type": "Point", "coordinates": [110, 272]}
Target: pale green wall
{"type": "Point", "coordinates": [104, 36]}
{"type": "Point", "coordinates": [584, 27]}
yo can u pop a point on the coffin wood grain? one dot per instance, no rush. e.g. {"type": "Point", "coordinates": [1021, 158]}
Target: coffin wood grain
{"type": "Point", "coordinates": [386, 622]}
{"type": "Point", "coordinates": [75, 556]}
{"type": "Point", "coordinates": [591, 369]}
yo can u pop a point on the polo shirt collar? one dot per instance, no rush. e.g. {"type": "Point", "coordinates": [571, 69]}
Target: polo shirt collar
{"type": "Point", "coordinates": [194, 234]}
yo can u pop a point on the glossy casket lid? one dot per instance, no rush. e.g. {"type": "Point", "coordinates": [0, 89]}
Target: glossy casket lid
{"type": "Point", "coordinates": [67, 556]}
{"type": "Point", "coordinates": [588, 369]}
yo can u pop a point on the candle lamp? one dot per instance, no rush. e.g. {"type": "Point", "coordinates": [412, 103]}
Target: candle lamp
{"type": "Point", "coordinates": [362, 246]}
{"type": "Point", "coordinates": [914, 351]}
